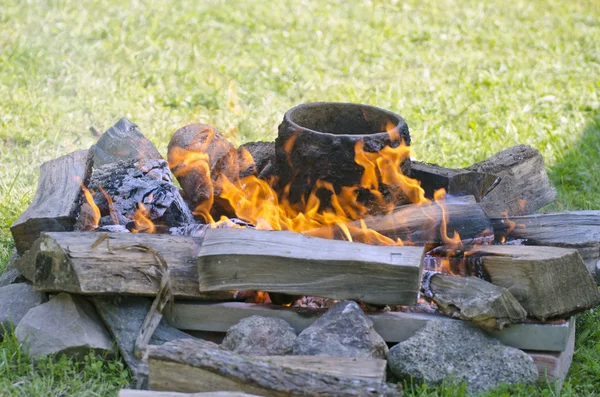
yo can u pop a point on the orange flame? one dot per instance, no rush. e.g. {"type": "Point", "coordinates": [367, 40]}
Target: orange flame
{"type": "Point", "coordinates": [142, 221]}
{"type": "Point", "coordinates": [89, 198]}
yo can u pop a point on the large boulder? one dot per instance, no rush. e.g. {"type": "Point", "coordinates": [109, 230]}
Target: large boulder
{"type": "Point", "coordinates": [260, 336]}
{"type": "Point", "coordinates": [67, 324]}
{"type": "Point", "coordinates": [453, 350]}
{"type": "Point", "coordinates": [15, 301]}
{"type": "Point", "coordinates": [343, 331]}
{"type": "Point", "coordinates": [11, 274]}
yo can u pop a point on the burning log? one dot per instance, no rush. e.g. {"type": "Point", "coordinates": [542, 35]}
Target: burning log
{"type": "Point", "coordinates": [198, 156]}
{"type": "Point", "coordinates": [198, 366]}
{"type": "Point", "coordinates": [524, 187]}
{"type": "Point", "coordinates": [291, 263]}
{"type": "Point", "coordinates": [263, 156]}
{"type": "Point", "coordinates": [123, 141]}
{"type": "Point", "coordinates": [55, 206]}
{"type": "Point", "coordinates": [547, 281]}
{"type": "Point", "coordinates": [114, 263]}
{"type": "Point", "coordinates": [456, 182]}
{"type": "Point", "coordinates": [421, 223]}
{"type": "Point", "coordinates": [139, 194]}
{"type": "Point", "coordinates": [393, 327]}
{"type": "Point", "coordinates": [473, 299]}
{"type": "Point", "coordinates": [579, 230]}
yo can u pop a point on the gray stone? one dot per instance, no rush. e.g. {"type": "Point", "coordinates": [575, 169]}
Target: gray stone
{"type": "Point", "coordinates": [15, 302]}
{"type": "Point", "coordinates": [11, 274]}
{"type": "Point", "coordinates": [453, 350]}
{"type": "Point", "coordinates": [124, 316]}
{"type": "Point", "coordinates": [343, 331]}
{"type": "Point", "coordinates": [260, 336]}
{"type": "Point", "coordinates": [67, 324]}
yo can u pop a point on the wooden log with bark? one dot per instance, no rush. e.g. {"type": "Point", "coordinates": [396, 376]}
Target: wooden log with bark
{"type": "Point", "coordinates": [421, 223]}
{"type": "Point", "coordinates": [90, 263]}
{"type": "Point", "coordinates": [456, 182]}
{"type": "Point", "coordinates": [579, 230]}
{"type": "Point", "coordinates": [197, 366]}
{"type": "Point", "coordinates": [524, 187]}
{"type": "Point", "coordinates": [55, 206]}
{"type": "Point", "coordinates": [547, 281]}
{"type": "Point", "coordinates": [393, 327]}
{"type": "Point", "coordinates": [473, 299]}
{"type": "Point", "coordinates": [291, 263]}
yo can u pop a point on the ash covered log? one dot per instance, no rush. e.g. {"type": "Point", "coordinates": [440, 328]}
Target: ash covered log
{"type": "Point", "coordinates": [198, 156]}
{"type": "Point", "coordinates": [123, 141]}
{"type": "Point", "coordinates": [473, 299]}
{"type": "Point", "coordinates": [456, 182]}
{"type": "Point", "coordinates": [55, 206]}
{"type": "Point", "coordinates": [421, 223]}
{"type": "Point", "coordinates": [119, 188]}
{"type": "Point", "coordinates": [263, 156]}
{"type": "Point", "coordinates": [317, 141]}
{"type": "Point", "coordinates": [115, 263]}
{"type": "Point", "coordinates": [197, 366]}
{"type": "Point", "coordinates": [524, 187]}
{"type": "Point", "coordinates": [547, 281]}
{"type": "Point", "coordinates": [579, 230]}
{"type": "Point", "coordinates": [291, 263]}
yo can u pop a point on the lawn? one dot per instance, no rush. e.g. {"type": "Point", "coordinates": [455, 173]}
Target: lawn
{"type": "Point", "coordinates": [470, 77]}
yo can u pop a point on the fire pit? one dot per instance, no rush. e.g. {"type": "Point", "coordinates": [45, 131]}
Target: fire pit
{"type": "Point", "coordinates": [309, 220]}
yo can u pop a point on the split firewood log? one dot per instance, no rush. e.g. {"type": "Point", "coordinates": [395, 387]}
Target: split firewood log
{"type": "Point", "coordinates": [456, 182]}
{"type": "Point", "coordinates": [292, 263]}
{"type": "Point", "coordinates": [473, 299]}
{"type": "Point", "coordinates": [197, 366]}
{"type": "Point", "coordinates": [547, 281]}
{"type": "Point", "coordinates": [55, 206]}
{"type": "Point", "coordinates": [579, 230]}
{"type": "Point", "coordinates": [524, 187]}
{"type": "Point", "coordinates": [123, 141]}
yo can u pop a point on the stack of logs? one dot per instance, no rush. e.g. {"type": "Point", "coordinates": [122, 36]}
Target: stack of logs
{"type": "Point", "coordinates": [543, 272]}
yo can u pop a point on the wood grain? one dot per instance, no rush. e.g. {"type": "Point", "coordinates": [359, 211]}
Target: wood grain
{"type": "Point", "coordinates": [279, 261]}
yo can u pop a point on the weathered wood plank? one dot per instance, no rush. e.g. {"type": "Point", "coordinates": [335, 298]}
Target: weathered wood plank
{"type": "Point", "coordinates": [456, 182]}
{"type": "Point", "coordinates": [579, 230]}
{"type": "Point", "coordinates": [57, 199]}
{"type": "Point", "coordinates": [473, 299]}
{"type": "Point", "coordinates": [116, 263]}
{"type": "Point", "coordinates": [547, 281]}
{"type": "Point", "coordinates": [524, 187]}
{"type": "Point", "coordinates": [392, 326]}
{"type": "Point", "coordinates": [554, 366]}
{"type": "Point", "coordinates": [373, 369]}
{"type": "Point", "coordinates": [279, 261]}
{"type": "Point", "coordinates": [197, 366]}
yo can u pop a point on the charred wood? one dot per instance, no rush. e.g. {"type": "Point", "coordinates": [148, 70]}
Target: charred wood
{"type": "Point", "coordinates": [197, 366]}
{"type": "Point", "coordinates": [456, 182]}
{"type": "Point", "coordinates": [524, 187]}
{"type": "Point", "coordinates": [122, 188]}
{"type": "Point", "coordinates": [55, 206]}
{"type": "Point", "coordinates": [123, 141]}
{"type": "Point", "coordinates": [472, 299]}
{"type": "Point", "coordinates": [291, 263]}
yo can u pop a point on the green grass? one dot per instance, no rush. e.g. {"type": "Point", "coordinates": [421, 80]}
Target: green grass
{"type": "Point", "coordinates": [470, 77]}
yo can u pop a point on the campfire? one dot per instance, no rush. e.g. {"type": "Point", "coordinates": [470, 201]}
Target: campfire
{"type": "Point", "coordinates": [335, 210]}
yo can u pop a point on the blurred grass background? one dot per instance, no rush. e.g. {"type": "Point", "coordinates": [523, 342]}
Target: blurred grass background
{"type": "Point", "coordinates": [469, 77]}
